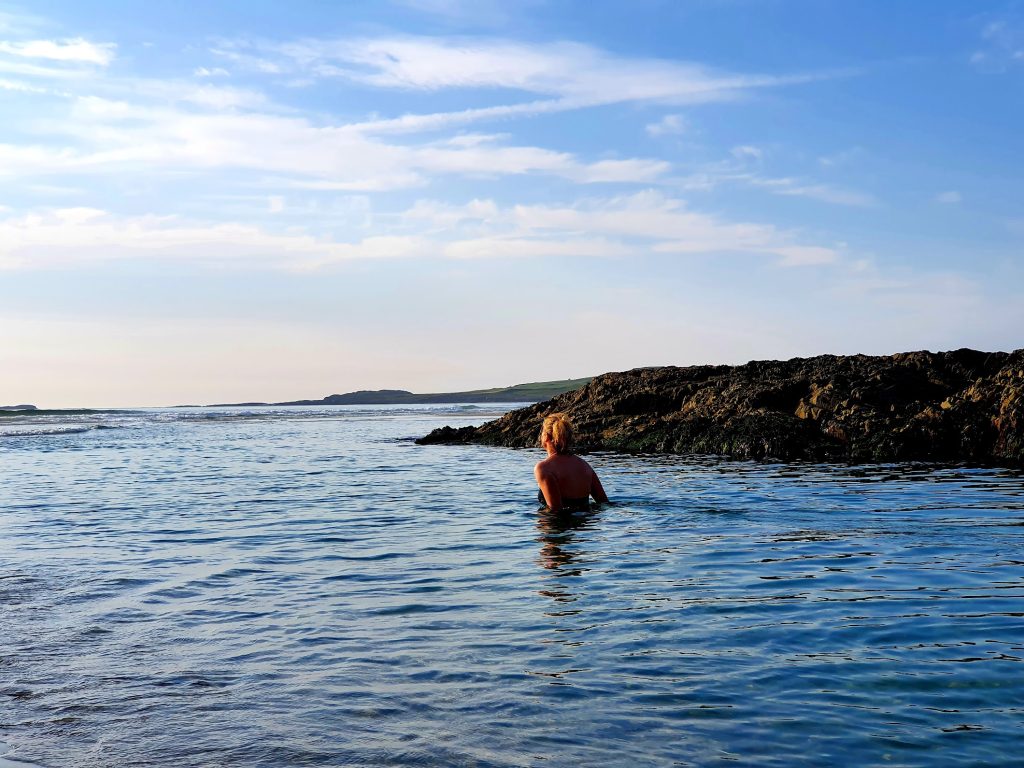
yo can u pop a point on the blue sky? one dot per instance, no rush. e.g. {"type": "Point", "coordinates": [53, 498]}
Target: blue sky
{"type": "Point", "coordinates": [269, 201]}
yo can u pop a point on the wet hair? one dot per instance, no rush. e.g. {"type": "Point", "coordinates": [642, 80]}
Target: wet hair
{"type": "Point", "coordinates": [558, 430]}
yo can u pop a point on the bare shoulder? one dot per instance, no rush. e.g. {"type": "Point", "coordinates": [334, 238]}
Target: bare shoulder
{"type": "Point", "coordinates": [584, 463]}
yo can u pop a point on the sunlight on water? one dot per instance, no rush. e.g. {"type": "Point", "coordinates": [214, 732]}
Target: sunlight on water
{"type": "Point", "coordinates": [308, 587]}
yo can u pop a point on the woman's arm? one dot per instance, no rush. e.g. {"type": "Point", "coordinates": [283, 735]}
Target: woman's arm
{"type": "Point", "coordinates": [596, 489]}
{"type": "Point", "coordinates": [548, 486]}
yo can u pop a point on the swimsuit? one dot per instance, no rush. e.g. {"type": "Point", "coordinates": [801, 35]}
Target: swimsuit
{"type": "Point", "coordinates": [568, 505]}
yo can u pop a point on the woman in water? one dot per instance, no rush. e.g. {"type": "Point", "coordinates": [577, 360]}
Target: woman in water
{"type": "Point", "coordinates": [566, 481]}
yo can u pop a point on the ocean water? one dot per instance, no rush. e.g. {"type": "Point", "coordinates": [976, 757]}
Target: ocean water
{"type": "Point", "coordinates": [307, 587]}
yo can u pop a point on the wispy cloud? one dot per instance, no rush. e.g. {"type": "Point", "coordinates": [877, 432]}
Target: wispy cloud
{"type": "Point", "coordinates": [20, 23]}
{"type": "Point", "coordinates": [747, 152]}
{"type": "Point", "coordinates": [210, 72]}
{"type": "Point", "coordinates": [81, 235]}
{"type": "Point", "coordinates": [573, 74]}
{"type": "Point", "coordinates": [745, 169]}
{"type": "Point", "coordinates": [442, 215]}
{"type": "Point", "coordinates": [486, 12]}
{"type": "Point", "coordinates": [415, 123]}
{"type": "Point", "coordinates": [669, 125]}
{"type": "Point", "coordinates": [166, 128]}
{"type": "Point", "coordinates": [949, 198]}
{"type": "Point", "coordinates": [200, 129]}
{"type": "Point", "coordinates": [518, 247]}
{"type": "Point", "coordinates": [668, 225]}
{"type": "Point", "coordinates": [1002, 47]}
{"type": "Point", "coordinates": [117, 124]}
{"type": "Point", "coordinates": [69, 50]}
{"type": "Point", "coordinates": [631, 226]}
{"type": "Point", "coordinates": [825, 193]}
{"type": "Point", "coordinates": [21, 86]}
{"type": "Point", "coordinates": [842, 158]}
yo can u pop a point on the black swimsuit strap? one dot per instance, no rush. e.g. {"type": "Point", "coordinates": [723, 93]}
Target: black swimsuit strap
{"type": "Point", "coordinates": [569, 504]}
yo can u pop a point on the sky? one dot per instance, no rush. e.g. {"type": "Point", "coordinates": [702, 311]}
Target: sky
{"type": "Point", "coordinates": [269, 201]}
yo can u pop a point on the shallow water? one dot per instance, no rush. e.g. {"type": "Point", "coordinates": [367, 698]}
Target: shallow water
{"type": "Point", "coordinates": [308, 587]}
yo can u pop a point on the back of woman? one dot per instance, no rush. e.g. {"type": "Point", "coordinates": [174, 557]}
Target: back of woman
{"type": "Point", "coordinates": [566, 481]}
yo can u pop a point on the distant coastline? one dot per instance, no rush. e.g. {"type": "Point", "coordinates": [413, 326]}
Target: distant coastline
{"type": "Point", "coordinates": [533, 392]}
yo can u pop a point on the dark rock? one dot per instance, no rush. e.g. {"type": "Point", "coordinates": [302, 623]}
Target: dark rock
{"type": "Point", "coordinates": [449, 435]}
{"type": "Point", "coordinates": [948, 406]}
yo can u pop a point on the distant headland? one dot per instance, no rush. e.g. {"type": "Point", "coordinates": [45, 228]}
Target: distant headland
{"type": "Point", "coordinates": [520, 393]}
{"type": "Point", "coordinates": [18, 408]}
{"type": "Point", "coordinates": [963, 405]}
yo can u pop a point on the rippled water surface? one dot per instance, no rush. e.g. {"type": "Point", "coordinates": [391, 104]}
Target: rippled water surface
{"type": "Point", "coordinates": [308, 587]}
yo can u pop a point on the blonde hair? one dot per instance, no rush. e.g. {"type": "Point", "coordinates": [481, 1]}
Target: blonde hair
{"type": "Point", "coordinates": [558, 430]}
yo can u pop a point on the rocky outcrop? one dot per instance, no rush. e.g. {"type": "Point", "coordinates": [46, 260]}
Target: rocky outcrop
{"type": "Point", "coordinates": [948, 406]}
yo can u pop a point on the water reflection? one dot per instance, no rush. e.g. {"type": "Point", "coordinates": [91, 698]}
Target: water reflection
{"type": "Point", "coordinates": [557, 538]}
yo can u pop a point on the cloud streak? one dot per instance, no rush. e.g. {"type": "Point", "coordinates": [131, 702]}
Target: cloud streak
{"type": "Point", "coordinates": [77, 50]}
{"type": "Point", "coordinates": [76, 236]}
{"type": "Point", "coordinates": [205, 128]}
{"type": "Point", "coordinates": [632, 226]}
{"type": "Point", "coordinates": [572, 71]}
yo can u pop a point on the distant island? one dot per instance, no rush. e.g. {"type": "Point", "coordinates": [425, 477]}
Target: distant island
{"type": "Point", "coordinates": [520, 393]}
{"type": "Point", "coordinates": [963, 405]}
{"type": "Point", "coordinates": [18, 408]}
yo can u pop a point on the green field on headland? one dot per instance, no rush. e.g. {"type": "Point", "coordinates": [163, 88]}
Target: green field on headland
{"type": "Point", "coordinates": [533, 392]}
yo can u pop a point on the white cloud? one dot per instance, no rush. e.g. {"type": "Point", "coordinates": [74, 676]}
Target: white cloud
{"type": "Point", "coordinates": [137, 125]}
{"type": "Point", "coordinates": [119, 136]}
{"type": "Point", "coordinates": [210, 72]}
{"type": "Point", "coordinates": [666, 225]}
{"type": "Point", "coordinates": [76, 49]}
{"type": "Point", "coordinates": [76, 216]}
{"type": "Point", "coordinates": [1003, 43]}
{"type": "Point", "coordinates": [414, 123]}
{"type": "Point", "coordinates": [803, 255]}
{"type": "Point", "coordinates": [829, 194]}
{"type": "Point", "coordinates": [72, 236]}
{"type": "Point", "coordinates": [826, 193]}
{"type": "Point", "coordinates": [20, 86]}
{"type": "Point", "coordinates": [28, 69]}
{"type": "Point", "coordinates": [628, 171]}
{"type": "Point", "coordinates": [747, 152]}
{"type": "Point", "coordinates": [841, 158]}
{"type": "Point", "coordinates": [949, 198]}
{"type": "Point", "coordinates": [487, 12]}
{"type": "Point", "coordinates": [571, 75]}
{"type": "Point", "coordinates": [248, 61]}
{"type": "Point", "coordinates": [744, 169]}
{"type": "Point", "coordinates": [669, 125]}
{"type": "Point", "coordinates": [629, 226]}
{"type": "Point", "coordinates": [151, 127]}
{"type": "Point", "coordinates": [506, 247]}
{"type": "Point", "coordinates": [445, 215]}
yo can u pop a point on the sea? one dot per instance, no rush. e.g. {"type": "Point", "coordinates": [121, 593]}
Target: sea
{"type": "Point", "coordinates": [308, 587]}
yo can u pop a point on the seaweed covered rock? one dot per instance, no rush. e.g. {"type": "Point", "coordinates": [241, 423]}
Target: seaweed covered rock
{"type": "Point", "coordinates": [963, 405]}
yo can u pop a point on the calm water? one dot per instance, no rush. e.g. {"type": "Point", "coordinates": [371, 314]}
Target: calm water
{"type": "Point", "coordinates": [307, 587]}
